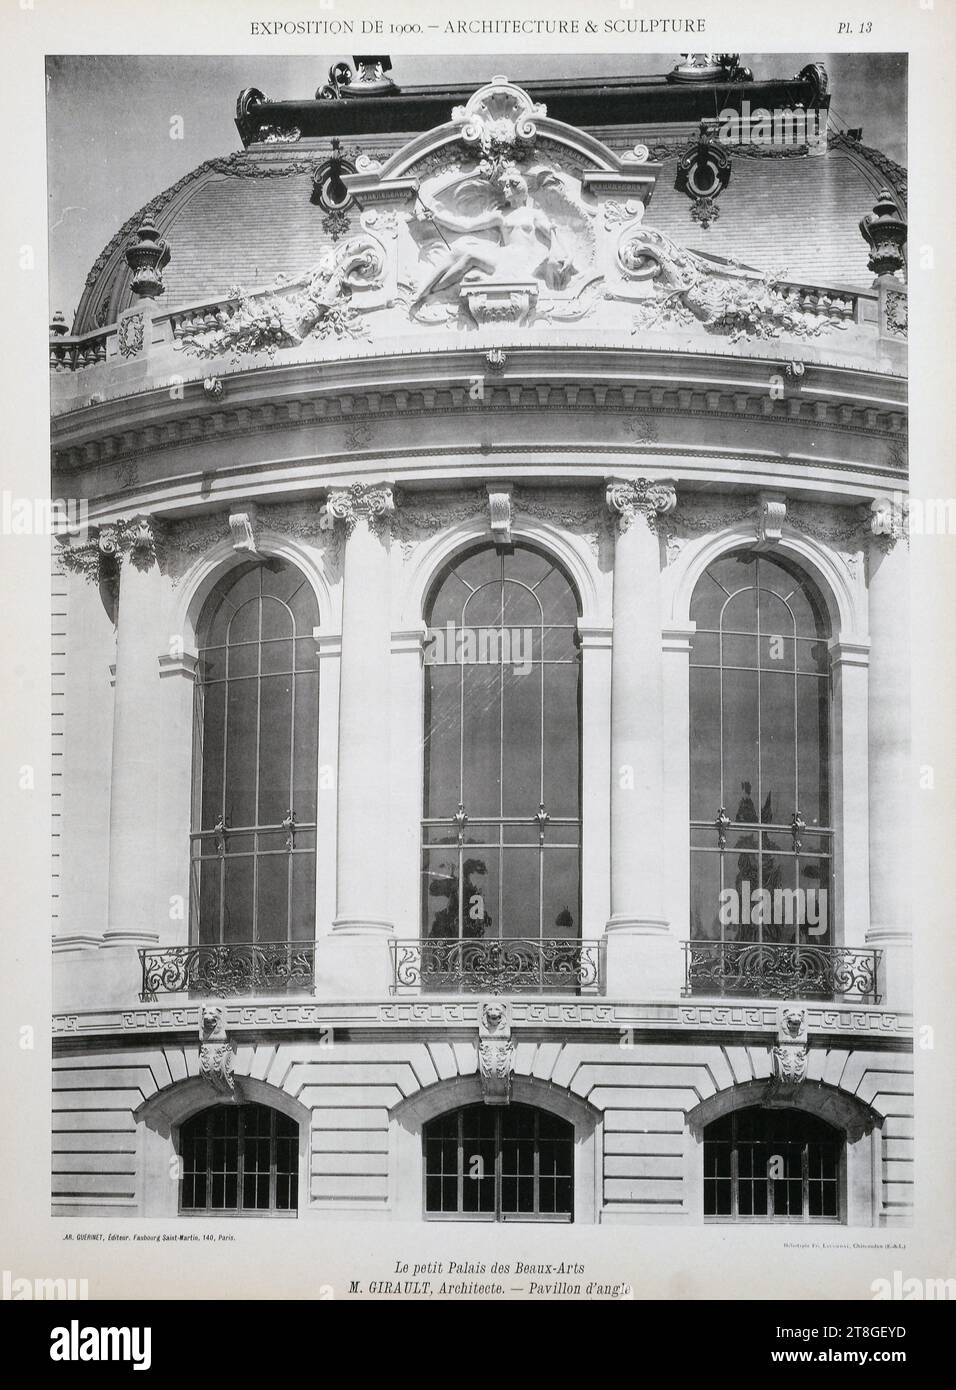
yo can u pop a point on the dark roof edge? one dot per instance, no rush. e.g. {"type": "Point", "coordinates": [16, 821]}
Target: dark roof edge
{"type": "Point", "coordinates": [609, 101]}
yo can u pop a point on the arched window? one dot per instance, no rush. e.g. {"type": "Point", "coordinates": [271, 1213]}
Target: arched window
{"type": "Point", "coordinates": [772, 1165]}
{"type": "Point", "coordinates": [499, 1163]}
{"type": "Point", "coordinates": [255, 759]}
{"type": "Point", "coordinates": [502, 801]}
{"type": "Point", "coordinates": [761, 835]}
{"type": "Point", "coordinates": [239, 1160]}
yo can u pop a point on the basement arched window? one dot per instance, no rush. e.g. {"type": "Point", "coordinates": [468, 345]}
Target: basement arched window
{"type": "Point", "coordinates": [760, 807]}
{"type": "Point", "coordinates": [239, 1160]}
{"type": "Point", "coordinates": [255, 759]}
{"type": "Point", "coordinates": [501, 833]}
{"type": "Point", "coordinates": [499, 1163]}
{"type": "Point", "coordinates": [772, 1165]}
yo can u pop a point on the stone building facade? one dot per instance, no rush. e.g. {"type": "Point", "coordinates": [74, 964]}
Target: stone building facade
{"type": "Point", "coordinates": [483, 717]}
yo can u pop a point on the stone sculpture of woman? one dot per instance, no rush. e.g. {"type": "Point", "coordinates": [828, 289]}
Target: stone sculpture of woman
{"type": "Point", "coordinates": [527, 245]}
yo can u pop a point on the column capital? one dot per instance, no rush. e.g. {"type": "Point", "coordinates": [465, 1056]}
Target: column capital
{"type": "Point", "coordinates": [100, 555]}
{"type": "Point", "coordinates": [373, 501]}
{"type": "Point", "coordinates": [628, 498]}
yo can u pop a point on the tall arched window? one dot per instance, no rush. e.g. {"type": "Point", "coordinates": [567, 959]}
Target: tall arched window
{"type": "Point", "coordinates": [761, 834]}
{"type": "Point", "coordinates": [238, 1160]}
{"type": "Point", "coordinates": [255, 759]}
{"type": "Point", "coordinates": [502, 800]}
{"type": "Point", "coordinates": [499, 1163]}
{"type": "Point", "coordinates": [772, 1165]}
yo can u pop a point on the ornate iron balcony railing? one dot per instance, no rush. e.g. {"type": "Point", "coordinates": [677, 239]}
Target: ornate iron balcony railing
{"type": "Point", "coordinates": [260, 967]}
{"type": "Point", "coordinates": [515, 965]}
{"type": "Point", "coordinates": [773, 971]}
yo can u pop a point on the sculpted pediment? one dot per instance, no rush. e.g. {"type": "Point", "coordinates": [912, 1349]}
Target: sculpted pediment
{"type": "Point", "coordinates": [505, 217]}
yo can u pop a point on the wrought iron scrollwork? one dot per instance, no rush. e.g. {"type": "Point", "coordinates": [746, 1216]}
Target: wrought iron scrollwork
{"type": "Point", "coordinates": [261, 967]}
{"type": "Point", "coordinates": [516, 965]}
{"type": "Point", "coordinates": [774, 971]}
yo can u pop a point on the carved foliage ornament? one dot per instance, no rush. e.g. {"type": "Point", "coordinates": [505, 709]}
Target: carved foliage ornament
{"type": "Point", "coordinates": [640, 498]}
{"type": "Point", "coordinates": [373, 501]}
{"type": "Point", "coordinates": [315, 306]}
{"type": "Point", "coordinates": [99, 558]}
{"type": "Point", "coordinates": [498, 118]}
{"type": "Point", "coordinates": [132, 335]}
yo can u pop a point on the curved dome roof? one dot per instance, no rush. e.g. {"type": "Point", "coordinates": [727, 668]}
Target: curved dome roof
{"type": "Point", "coordinates": [248, 217]}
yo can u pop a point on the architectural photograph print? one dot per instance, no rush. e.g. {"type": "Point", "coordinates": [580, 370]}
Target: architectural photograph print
{"type": "Point", "coordinates": [480, 635]}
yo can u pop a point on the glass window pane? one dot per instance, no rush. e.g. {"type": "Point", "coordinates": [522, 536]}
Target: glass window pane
{"type": "Point", "coordinates": [705, 790]}
{"type": "Point", "coordinates": [480, 913]}
{"type": "Point", "coordinates": [272, 898]}
{"type": "Point", "coordinates": [777, 748]}
{"type": "Point", "coordinates": [740, 750]}
{"type": "Point", "coordinates": [558, 600]}
{"type": "Point", "coordinates": [562, 791]}
{"type": "Point", "coordinates": [521, 694]}
{"type": "Point", "coordinates": [276, 620]}
{"type": "Point", "coordinates": [210, 876]}
{"type": "Point", "coordinates": [740, 612]}
{"type": "Point", "coordinates": [440, 892]}
{"type": "Point", "coordinates": [520, 892]}
{"type": "Point", "coordinates": [705, 896]}
{"type": "Point", "coordinates": [244, 624]}
{"type": "Point", "coordinates": [481, 609]}
{"type": "Point", "coordinates": [275, 741]}
{"type": "Point", "coordinates": [305, 757]}
{"type": "Point", "coordinates": [212, 703]}
{"type": "Point", "coordinates": [241, 752]}
{"type": "Point", "coordinates": [442, 736]}
{"type": "Point", "coordinates": [276, 656]}
{"type": "Point", "coordinates": [238, 898]}
{"type": "Point", "coordinates": [561, 916]}
{"type": "Point", "coordinates": [813, 731]}
{"type": "Point", "coordinates": [481, 740]}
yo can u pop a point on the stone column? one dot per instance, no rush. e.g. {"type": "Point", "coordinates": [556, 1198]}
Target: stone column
{"type": "Point", "coordinates": [139, 738]}
{"type": "Point", "coordinates": [643, 956]}
{"type": "Point", "coordinates": [406, 720]}
{"type": "Point", "coordinates": [88, 744]}
{"type": "Point", "coordinates": [354, 960]}
{"type": "Point", "coordinates": [849, 664]}
{"type": "Point", "coordinates": [595, 779]}
{"type": "Point", "coordinates": [890, 926]}
{"type": "Point", "coordinates": [676, 645]}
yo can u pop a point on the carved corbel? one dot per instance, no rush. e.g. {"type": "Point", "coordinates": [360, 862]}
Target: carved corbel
{"type": "Point", "coordinates": [496, 1051]}
{"type": "Point", "coordinates": [215, 1050]}
{"type": "Point", "coordinates": [243, 527]}
{"type": "Point", "coordinates": [771, 514]}
{"type": "Point", "coordinates": [791, 1051]}
{"type": "Point", "coordinates": [500, 512]}
{"type": "Point", "coordinates": [886, 520]}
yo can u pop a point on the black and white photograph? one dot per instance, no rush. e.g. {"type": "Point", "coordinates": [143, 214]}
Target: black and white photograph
{"type": "Point", "coordinates": [483, 757]}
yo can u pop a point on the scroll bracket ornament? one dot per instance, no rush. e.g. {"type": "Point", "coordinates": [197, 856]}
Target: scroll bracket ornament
{"type": "Point", "coordinates": [496, 1051]}
{"type": "Point", "coordinates": [215, 1050]}
{"type": "Point", "coordinates": [243, 528]}
{"type": "Point", "coordinates": [771, 514]}
{"type": "Point", "coordinates": [640, 497]}
{"type": "Point", "coordinates": [500, 512]}
{"type": "Point", "coordinates": [791, 1050]}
